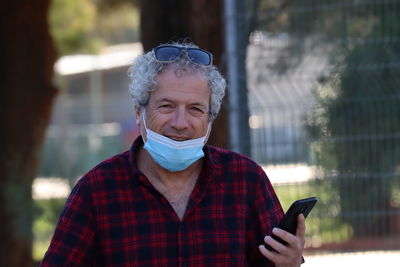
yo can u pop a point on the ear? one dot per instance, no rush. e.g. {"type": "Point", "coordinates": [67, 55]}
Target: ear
{"type": "Point", "coordinates": [137, 115]}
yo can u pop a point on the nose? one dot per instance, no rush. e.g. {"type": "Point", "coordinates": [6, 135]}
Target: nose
{"type": "Point", "coordinates": [179, 121]}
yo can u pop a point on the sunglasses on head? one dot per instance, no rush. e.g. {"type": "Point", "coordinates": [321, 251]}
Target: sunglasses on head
{"type": "Point", "coordinates": [169, 53]}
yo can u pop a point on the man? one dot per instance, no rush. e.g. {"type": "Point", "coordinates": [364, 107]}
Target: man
{"type": "Point", "coordinates": [171, 200]}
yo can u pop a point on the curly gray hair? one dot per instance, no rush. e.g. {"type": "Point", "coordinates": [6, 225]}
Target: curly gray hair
{"type": "Point", "coordinates": [145, 68]}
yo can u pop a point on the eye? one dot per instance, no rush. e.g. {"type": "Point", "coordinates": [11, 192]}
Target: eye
{"type": "Point", "coordinates": [165, 107]}
{"type": "Point", "coordinates": [196, 110]}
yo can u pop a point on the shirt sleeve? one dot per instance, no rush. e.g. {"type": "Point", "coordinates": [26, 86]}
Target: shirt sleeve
{"type": "Point", "coordinates": [73, 240]}
{"type": "Point", "coordinates": [266, 213]}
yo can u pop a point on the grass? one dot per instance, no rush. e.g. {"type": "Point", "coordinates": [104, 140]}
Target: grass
{"type": "Point", "coordinates": [47, 212]}
{"type": "Point", "coordinates": [323, 224]}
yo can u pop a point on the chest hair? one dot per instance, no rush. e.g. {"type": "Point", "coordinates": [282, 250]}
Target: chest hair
{"type": "Point", "coordinates": [177, 196]}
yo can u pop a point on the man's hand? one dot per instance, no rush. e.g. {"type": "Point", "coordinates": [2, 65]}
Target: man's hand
{"type": "Point", "coordinates": [291, 254]}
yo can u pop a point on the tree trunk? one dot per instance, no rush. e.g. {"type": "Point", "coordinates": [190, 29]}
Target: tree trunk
{"type": "Point", "coordinates": [26, 69]}
{"type": "Point", "coordinates": [199, 20]}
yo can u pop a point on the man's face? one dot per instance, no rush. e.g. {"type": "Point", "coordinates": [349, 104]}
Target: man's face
{"type": "Point", "coordinates": [179, 107]}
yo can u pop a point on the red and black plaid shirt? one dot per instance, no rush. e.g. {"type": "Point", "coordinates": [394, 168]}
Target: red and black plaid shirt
{"type": "Point", "coordinates": [115, 217]}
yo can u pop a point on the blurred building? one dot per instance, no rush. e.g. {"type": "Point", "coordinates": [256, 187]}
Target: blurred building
{"type": "Point", "coordinates": [93, 116]}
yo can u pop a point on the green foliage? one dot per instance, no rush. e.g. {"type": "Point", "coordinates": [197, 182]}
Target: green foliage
{"type": "Point", "coordinates": [46, 213]}
{"type": "Point", "coordinates": [357, 124]}
{"type": "Point", "coordinates": [73, 157]}
{"type": "Point", "coordinates": [71, 23]}
{"type": "Point", "coordinates": [109, 5]}
{"type": "Point", "coordinates": [84, 26]}
{"type": "Point", "coordinates": [119, 25]}
{"type": "Point", "coordinates": [332, 19]}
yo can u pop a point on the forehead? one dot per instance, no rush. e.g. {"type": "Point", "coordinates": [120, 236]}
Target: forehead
{"type": "Point", "coordinates": [181, 85]}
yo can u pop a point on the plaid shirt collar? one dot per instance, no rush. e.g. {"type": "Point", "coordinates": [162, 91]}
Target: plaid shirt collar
{"type": "Point", "coordinates": [205, 178]}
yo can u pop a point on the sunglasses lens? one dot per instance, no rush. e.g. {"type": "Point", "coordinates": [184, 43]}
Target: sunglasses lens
{"type": "Point", "coordinates": [199, 56]}
{"type": "Point", "coordinates": [167, 53]}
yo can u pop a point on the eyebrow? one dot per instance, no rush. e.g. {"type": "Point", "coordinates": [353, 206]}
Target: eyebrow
{"type": "Point", "coordinates": [198, 104]}
{"type": "Point", "coordinates": [172, 101]}
{"type": "Point", "coordinates": [163, 100]}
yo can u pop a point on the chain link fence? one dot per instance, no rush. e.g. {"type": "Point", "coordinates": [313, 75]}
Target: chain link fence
{"type": "Point", "coordinates": [324, 100]}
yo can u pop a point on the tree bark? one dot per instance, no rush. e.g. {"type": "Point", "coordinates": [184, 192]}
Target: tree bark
{"type": "Point", "coordinates": [26, 70]}
{"type": "Point", "coordinates": [199, 20]}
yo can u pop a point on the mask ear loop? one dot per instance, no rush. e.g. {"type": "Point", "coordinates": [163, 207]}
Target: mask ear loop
{"type": "Point", "coordinates": [144, 122]}
{"type": "Point", "coordinates": [208, 133]}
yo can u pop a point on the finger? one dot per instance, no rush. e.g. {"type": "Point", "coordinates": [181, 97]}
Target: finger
{"type": "Point", "coordinates": [276, 245]}
{"type": "Point", "coordinates": [285, 236]}
{"type": "Point", "coordinates": [271, 255]}
{"type": "Point", "coordinates": [276, 258]}
{"type": "Point", "coordinates": [301, 231]}
{"type": "Point", "coordinates": [301, 226]}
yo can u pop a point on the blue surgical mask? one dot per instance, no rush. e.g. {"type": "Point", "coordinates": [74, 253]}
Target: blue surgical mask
{"type": "Point", "coordinates": [174, 155]}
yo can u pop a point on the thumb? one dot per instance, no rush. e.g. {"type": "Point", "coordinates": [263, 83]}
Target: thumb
{"type": "Point", "coordinates": [301, 226]}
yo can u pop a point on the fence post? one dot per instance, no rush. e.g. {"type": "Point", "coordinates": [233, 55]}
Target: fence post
{"type": "Point", "coordinates": [235, 46]}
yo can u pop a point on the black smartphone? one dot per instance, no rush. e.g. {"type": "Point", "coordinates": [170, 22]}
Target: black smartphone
{"type": "Point", "coordinates": [289, 220]}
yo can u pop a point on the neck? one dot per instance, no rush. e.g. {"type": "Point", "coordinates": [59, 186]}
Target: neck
{"type": "Point", "coordinates": [153, 171]}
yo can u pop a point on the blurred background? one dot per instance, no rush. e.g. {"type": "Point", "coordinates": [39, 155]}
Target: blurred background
{"type": "Point", "coordinates": [313, 97]}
